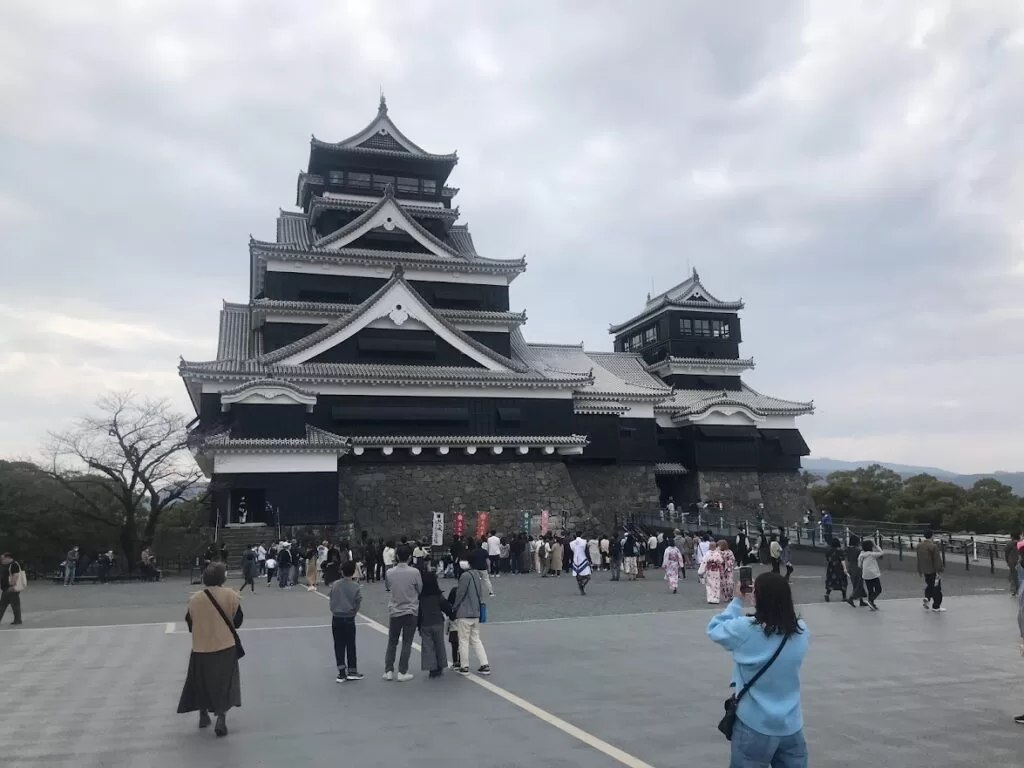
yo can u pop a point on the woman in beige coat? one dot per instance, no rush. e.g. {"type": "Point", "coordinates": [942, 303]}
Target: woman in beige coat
{"type": "Point", "coordinates": [557, 552]}
{"type": "Point", "coordinates": [212, 683]}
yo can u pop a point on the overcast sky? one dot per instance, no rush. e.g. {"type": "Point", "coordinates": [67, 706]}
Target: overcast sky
{"type": "Point", "coordinates": [853, 171]}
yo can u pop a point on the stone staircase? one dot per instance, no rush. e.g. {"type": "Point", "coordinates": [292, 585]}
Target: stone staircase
{"type": "Point", "coordinates": [238, 540]}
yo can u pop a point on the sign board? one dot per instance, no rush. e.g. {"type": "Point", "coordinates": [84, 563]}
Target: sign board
{"type": "Point", "coordinates": [459, 525]}
{"type": "Point", "coordinates": [526, 520]}
{"type": "Point", "coordinates": [437, 530]}
{"type": "Point", "coordinates": [545, 521]}
{"type": "Point", "coordinates": [481, 524]}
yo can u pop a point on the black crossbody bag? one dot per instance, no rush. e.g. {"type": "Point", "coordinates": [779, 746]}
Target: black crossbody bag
{"type": "Point", "coordinates": [239, 650]}
{"type": "Point", "coordinates": [728, 721]}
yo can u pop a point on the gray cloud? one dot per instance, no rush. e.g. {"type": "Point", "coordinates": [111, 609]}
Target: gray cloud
{"type": "Point", "coordinates": [855, 174]}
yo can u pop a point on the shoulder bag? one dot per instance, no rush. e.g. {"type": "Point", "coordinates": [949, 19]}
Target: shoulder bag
{"type": "Point", "coordinates": [239, 650]}
{"type": "Point", "coordinates": [480, 600]}
{"type": "Point", "coordinates": [18, 580]}
{"type": "Point", "coordinates": [728, 721]}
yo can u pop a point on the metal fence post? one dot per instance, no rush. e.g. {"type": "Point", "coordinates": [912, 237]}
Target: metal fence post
{"type": "Point", "coordinates": [992, 557]}
{"type": "Point", "coordinates": [899, 544]}
{"type": "Point", "coordinates": [974, 549]}
{"type": "Point", "coordinates": [967, 558]}
{"type": "Point", "coordinates": [942, 551]}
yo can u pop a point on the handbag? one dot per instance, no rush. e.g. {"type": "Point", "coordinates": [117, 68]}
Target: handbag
{"type": "Point", "coordinates": [20, 580]}
{"type": "Point", "coordinates": [728, 721]}
{"type": "Point", "coordinates": [239, 650]}
{"type": "Point", "coordinates": [483, 605]}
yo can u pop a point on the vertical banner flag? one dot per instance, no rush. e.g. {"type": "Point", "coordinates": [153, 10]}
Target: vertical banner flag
{"type": "Point", "coordinates": [545, 520]}
{"type": "Point", "coordinates": [526, 520]}
{"type": "Point", "coordinates": [459, 525]}
{"type": "Point", "coordinates": [437, 531]}
{"type": "Point", "coordinates": [481, 524]}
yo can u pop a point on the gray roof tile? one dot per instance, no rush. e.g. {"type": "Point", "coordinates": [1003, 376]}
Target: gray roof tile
{"type": "Point", "coordinates": [234, 334]}
{"type": "Point", "coordinates": [463, 440]}
{"type": "Point", "coordinates": [687, 402]}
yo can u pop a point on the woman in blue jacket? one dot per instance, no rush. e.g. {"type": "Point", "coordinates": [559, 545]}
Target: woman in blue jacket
{"type": "Point", "coordinates": [769, 721]}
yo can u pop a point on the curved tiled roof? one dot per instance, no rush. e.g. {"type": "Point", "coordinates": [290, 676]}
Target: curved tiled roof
{"type": "Point", "coordinates": [268, 381]}
{"type": "Point", "coordinates": [293, 229]}
{"type": "Point", "coordinates": [692, 402]}
{"type": "Point", "coordinates": [617, 376]}
{"type": "Point", "coordinates": [316, 441]}
{"type": "Point", "coordinates": [373, 374]}
{"type": "Point", "coordinates": [681, 296]}
{"type": "Point", "coordinates": [234, 333]}
{"type": "Point", "coordinates": [327, 309]}
{"type": "Point", "coordinates": [337, 325]}
{"type": "Point", "coordinates": [744, 363]}
{"type": "Point", "coordinates": [381, 137]}
{"type": "Point", "coordinates": [463, 440]}
{"type": "Point", "coordinates": [318, 202]}
{"type": "Point", "coordinates": [369, 213]}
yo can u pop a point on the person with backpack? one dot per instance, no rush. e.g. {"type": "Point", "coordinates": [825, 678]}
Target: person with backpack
{"type": "Point", "coordinates": [615, 558]}
{"type": "Point", "coordinates": [12, 582]}
{"type": "Point", "coordinates": [469, 613]}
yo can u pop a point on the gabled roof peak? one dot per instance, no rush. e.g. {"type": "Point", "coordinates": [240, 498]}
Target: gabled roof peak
{"type": "Point", "coordinates": [381, 135]}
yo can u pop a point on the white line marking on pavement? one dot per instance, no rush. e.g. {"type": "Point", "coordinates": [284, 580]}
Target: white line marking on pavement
{"type": "Point", "coordinates": [169, 629]}
{"type": "Point", "coordinates": [577, 733]}
{"type": "Point", "coordinates": [88, 626]}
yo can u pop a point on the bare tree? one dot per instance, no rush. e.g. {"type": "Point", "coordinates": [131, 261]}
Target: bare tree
{"type": "Point", "coordinates": [126, 463]}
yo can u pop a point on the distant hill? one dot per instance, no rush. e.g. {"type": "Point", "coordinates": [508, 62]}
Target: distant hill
{"type": "Point", "coordinates": [823, 466]}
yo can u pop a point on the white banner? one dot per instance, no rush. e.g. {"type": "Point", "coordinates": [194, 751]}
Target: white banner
{"type": "Point", "coordinates": [437, 534]}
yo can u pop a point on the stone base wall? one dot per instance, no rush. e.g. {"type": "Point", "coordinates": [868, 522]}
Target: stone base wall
{"type": "Point", "coordinates": [739, 491]}
{"type": "Point", "coordinates": [397, 499]}
{"type": "Point", "coordinates": [786, 496]}
{"type": "Point", "coordinates": [612, 492]}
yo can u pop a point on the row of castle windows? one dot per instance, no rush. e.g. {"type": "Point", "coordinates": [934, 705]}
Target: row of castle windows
{"type": "Point", "coordinates": [708, 329]}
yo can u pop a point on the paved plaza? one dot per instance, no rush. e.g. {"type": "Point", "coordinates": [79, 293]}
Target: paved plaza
{"type": "Point", "coordinates": [624, 676]}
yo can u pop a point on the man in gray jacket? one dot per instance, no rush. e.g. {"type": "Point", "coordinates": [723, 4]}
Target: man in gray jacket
{"type": "Point", "coordinates": [405, 584]}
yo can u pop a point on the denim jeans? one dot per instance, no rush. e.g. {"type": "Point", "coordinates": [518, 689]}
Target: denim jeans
{"type": "Point", "coordinates": [69, 574]}
{"type": "Point", "coordinates": [751, 749]}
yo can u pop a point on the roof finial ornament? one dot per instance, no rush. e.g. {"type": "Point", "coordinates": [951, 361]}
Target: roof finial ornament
{"type": "Point", "coordinates": [399, 271]}
{"type": "Point", "coordinates": [695, 275]}
{"type": "Point", "coordinates": [382, 108]}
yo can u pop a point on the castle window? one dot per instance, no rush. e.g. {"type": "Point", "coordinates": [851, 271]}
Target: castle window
{"type": "Point", "coordinates": [358, 180]}
{"type": "Point", "coordinates": [651, 335]}
{"type": "Point", "coordinates": [408, 184]}
{"type": "Point", "coordinates": [429, 186]}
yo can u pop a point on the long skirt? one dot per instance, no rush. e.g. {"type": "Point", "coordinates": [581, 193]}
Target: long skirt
{"type": "Point", "coordinates": [433, 654]}
{"type": "Point", "coordinates": [212, 683]}
{"type": "Point", "coordinates": [672, 575]}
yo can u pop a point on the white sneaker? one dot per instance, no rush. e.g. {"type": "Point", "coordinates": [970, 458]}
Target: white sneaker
{"type": "Point", "coordinates": [388, 676]}
{"type": "Point", "coordinates": [926, 605]}
{"type": "Point", "coordinates": [938, 610]}
{"type": "Point", "coordinates": [404, 677]}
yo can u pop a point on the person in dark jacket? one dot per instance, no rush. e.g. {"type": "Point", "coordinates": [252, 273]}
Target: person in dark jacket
{"type": "Point", "coordinates": [250, 569]}
{"type": "Point", "coordinates": [332, 566]}
{"type": "Point", "coordinates": [284, 566]}
{"type": "Point", "coordinates": [433, 609]}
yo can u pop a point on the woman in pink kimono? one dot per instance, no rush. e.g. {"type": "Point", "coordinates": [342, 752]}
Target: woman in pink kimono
{"type": "Point", "coordinates": [673, 563]}
{"type": "Point", "coordinates": [717, 568]}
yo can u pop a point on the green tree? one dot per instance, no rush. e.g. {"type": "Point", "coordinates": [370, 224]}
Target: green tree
{"type": "Point", "coordinates": [927, 500]}
{"type": "Point", "coordinates": [865, 493]}
{"type": "Point", "coordinates": [989, 506]}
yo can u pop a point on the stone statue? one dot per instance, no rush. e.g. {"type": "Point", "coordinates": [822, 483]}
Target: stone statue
{"type": "Point", "coordinates": [243, 511]}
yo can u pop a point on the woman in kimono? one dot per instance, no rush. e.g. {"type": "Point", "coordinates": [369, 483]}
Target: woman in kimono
{"type": "Point", "coordinates": [717, 568]}
{"type": "Point", "coordinates": [835, 571]}
{"type": "Point", "coordinates": [433, 610]}
{"type": "Point", "coordinates": [673, 563]}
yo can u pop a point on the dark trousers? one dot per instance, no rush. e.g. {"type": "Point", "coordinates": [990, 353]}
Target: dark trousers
{"type": "Point", "coordinates": [776, 565]}
{"type": "Point", "coordinates": [344, 630]}
{"type": "Point", "coordinates": [13, 599]}
{"type": "Point", "coordinates": [282, 576]}
{"type": "Point", "coordinates": [456, 568]}
{"type": "Point", "coordinates": [789, 571]}
{"type": "Point", "coordinates": [453, 641]}
{"type": "Point", "coordinates": [494, 564]}
{"type": "Point", "coordinates": [933, 589]}
{"type": "Point", "coordinates": [874, 587]}
{"type": "Point", "coordinates": [404, 627]}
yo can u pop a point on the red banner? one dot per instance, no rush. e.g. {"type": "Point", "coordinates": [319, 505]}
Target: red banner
{"type": "Point", "coordinates": [481, 524]}
{"type": "Point", "coordinates": [545, 520]}
{"type": "Point", "coordinates": [459, 526]}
